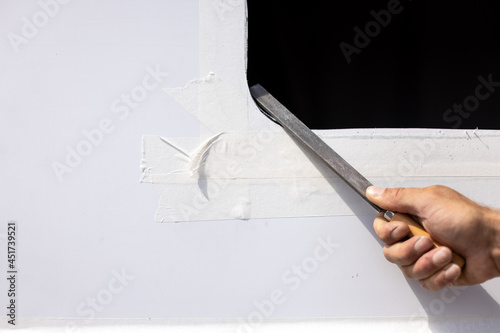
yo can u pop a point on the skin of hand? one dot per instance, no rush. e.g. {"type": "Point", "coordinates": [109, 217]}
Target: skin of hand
{"type": "Point", "coordinates": [456, 222]}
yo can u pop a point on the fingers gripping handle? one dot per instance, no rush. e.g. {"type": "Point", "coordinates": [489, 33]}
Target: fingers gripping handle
{"type": "Point", "coordinates": [416, 229]}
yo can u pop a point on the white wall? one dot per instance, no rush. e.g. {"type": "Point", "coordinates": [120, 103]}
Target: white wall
{"type": "Point", "coordinates": [79, 91]}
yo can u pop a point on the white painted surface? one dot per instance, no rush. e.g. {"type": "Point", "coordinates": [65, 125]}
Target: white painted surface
{"type": "Point", "coordinates": [91, 238]}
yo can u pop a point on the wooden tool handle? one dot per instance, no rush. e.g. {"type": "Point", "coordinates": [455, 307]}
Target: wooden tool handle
{"type": "Point", "coordinates": [416, 229]}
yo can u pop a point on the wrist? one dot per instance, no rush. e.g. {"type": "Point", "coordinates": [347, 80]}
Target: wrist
{"type": "Point", "coordinates": [492, 217]}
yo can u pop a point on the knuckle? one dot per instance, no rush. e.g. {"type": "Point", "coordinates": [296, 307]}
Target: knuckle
{"type": "Point", "coordinates": [425, 266]}
{"type": "Point", "coordinates": [389, 232]}
{"type": "Point", "coordinates": [398, 192]}
{"type": "Point", "coordinates": [400, 231]}
{"type": "Point", "coordinates": [400, 253]}
{"type": "Point", "coordinates": [377, 223]}
{"type": "Point", "coordinates": [434, 283]}
{"type": "Point", "coordinates": [418, 267]}
{"type": "Point", "coordinates": [437, 191]}
{"type": "Point", "coordinates": [391, 255]}
{"type": "Point", "coordinates": [408, 272]}
{"type": "Point", "coordinates": [427, 285]}
{"type": "Point", "coordinates": [441, 283]}
{"type": "Point", "coordinates": [385, 232]}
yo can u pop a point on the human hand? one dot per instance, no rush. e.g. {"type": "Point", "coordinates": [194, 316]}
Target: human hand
{"type": "Point", "coordinates": [456, 222]}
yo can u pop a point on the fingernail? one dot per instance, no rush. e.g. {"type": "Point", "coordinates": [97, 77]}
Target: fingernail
{"type": "Point", "coordinates": [422, 244]}
{"type": "Point", "coordinates": [452, 272]}
{"type": "Point", "coordinates": [375, 191]}
{"type": "Point", "coordinates": [441, 257]}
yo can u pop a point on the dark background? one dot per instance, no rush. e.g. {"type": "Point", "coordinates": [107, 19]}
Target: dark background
{"type": "Point", "coordinates": [427, 59]}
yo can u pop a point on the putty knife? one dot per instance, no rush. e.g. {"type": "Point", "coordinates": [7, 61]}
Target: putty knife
{"type": "Point", "coordinates": [279, 114]}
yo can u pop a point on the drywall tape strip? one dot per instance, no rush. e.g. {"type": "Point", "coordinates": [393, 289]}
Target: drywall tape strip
{"type": "Point", "coordinates": [219, 98]}
{"type": "Point", "coordinates": [240, 199]}
{"type": "Point", "coordinates": [258, 155]}
{"type": "Point", "coordinates": [218, 106]}
{"type": "Point", "coordinates": [266, 174]}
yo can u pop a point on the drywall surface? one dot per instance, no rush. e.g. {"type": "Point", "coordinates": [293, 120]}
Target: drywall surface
{"type": "Point", "coordinates": [99, 96]}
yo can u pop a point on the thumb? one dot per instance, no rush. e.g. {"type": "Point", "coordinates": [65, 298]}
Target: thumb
{"type": "Point", "coordinates": [403, 200]}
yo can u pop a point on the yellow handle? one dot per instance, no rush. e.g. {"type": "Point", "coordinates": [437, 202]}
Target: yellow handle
{"type": "Point", "coordinates": [416, 229]}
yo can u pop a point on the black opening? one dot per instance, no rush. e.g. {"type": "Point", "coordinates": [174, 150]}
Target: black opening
{"type": "Point", "coordinates": [365, 64]}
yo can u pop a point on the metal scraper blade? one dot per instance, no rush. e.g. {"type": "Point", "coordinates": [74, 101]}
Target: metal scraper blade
{"type": "Point", "coordinates": [281, 115]}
